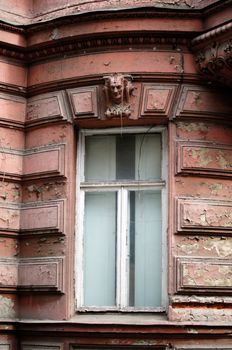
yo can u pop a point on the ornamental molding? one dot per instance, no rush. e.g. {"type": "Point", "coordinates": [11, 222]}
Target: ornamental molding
{"type": "Point", "coordinates": [152, 40]}
{"type": "Point", "coordinates": [11, 28]}
{"type": "Point", "coordinates": [213, 54]}
{"type": "Point", "coordinates": [212, 34]}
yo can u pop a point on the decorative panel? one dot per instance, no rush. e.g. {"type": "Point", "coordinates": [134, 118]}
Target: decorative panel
{"type": "Point", "coordinates": [204, 158]}
{"type": "Point", "coordinates": [203, 216]}
{"type": "Point", "coordinates": [8, 274]}
{"type": "Point", "coordinates": [202, 102]}
{"type": "Point", "coordinates": [12, 109]}
{"type": "Point", "coordinates": [41, 274]}
{"type": "Point", "coordinates": [42, 217]}
{"type": "Point", "coordinates": [46, 107]}
{"type": "Point", "coordinates": [84, 102]}
{"type": "Point", "coordinates": [203, 275]}
{"type": "Point", "coordinates": [44, 162]}
{"type": "Point", "coordinates": [157, 100]}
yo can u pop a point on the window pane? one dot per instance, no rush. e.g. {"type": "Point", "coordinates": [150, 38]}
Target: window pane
{"type": "Point", "coordinates": [148, 157]}
{"type": "Point", "coordinates": [99, 249]}
{"type": "Point", "coordinates": [145, 249]}
{"type": "Point", "coordinates": [100, 154]}
{"type": "Point", "coordinates": [123, 157]}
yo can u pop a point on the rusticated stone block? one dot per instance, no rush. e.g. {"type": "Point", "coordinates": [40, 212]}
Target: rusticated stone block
{"type": "Point", "coordinates": [33, 163]}
{"type": "Point", "coordinates": [204, 158]}
{"type": "Point", "coordinates": [11, 163]}
{"type": "Point", "coordinates": [44, 162]}
{"type": "Point", "coordinates": [36, 217]}
{"type": "Point", "coordinates": [202, 102]}
{"type": "Point", "coordinates": [84, 102]}
{"type": "Point", "coordinates": [12, 109]}
{"type": "Point", "coordinates": [42, 217]}
{"type": "Point", "coordinates": [157, 100]}
{"type": "Point", "coordinates": [8, 274]}
{"type": "Point", "coordinates": [41, 274]}
{"type": "Point", "coordinates": [203, 275]}
{"type": "Point", "coordinates": [197, 216]}
{"type": "Point", "coordinates": [46, 108]}
{"type": "Point", "coordinates": [10, 218]}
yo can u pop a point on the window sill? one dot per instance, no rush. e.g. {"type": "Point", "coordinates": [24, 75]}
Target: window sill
{"type": "Point", "coordinates": [120, 318]}
{"type": "Point", "coordinates": [126, 309]}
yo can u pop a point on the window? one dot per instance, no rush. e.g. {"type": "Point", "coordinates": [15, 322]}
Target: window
{"type": "Point", "coordinates": [120, 219]}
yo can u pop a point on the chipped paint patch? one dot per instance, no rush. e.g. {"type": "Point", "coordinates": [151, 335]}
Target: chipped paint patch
{"type": "Point", "coordinates": [200, 314]}
{"type": "Point", "coordinates": [193, 127]}
{"type": "Point", "coordinates": [201, 155]}
{"type": "Point", "coordinates": [220, 247]}
{"type": "Point", "coordinates": [6, 307]}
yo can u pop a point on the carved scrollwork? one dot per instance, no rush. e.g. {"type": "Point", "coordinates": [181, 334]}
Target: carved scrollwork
{"type": "Point", "coordinates": [118, 89]}
{"type": "Point", "coordinates": [214, 54]}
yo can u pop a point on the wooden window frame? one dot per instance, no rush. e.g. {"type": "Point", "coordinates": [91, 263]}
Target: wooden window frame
{"type": "Point", "coordinates": [122, 188]}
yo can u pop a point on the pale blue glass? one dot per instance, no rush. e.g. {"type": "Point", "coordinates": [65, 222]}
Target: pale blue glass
{"type": "Point", "coordinates": [100, 249]}
{"type": "Point", "coordinates": [145, 249]}
{"type": "Point", "coordinates": [123, 157]}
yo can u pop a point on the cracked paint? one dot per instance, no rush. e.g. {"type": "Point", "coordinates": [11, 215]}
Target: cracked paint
{"type": "Point", "coordinates": [202, 156]}
{"type": "Point", "coordinates": [193, 127]}
{"type": "Point", "coordinates": [6, 307]}
{"type": "Point", "coordinates": [220, 247]}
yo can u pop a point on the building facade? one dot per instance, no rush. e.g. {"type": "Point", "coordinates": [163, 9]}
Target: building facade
{"type": "Point", "coordinates": [115, 175]}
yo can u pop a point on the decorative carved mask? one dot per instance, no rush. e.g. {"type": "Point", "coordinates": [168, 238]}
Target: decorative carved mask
{"type": "Point", "coordinates": [117, 89]}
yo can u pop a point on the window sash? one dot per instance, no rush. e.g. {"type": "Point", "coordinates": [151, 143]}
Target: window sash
{"type": "Point", "coordinates": [125, 158]}
{"type": "Point", "coordinates": [122, 188]}
{"type": "Point", "coordinates": [126, 130]}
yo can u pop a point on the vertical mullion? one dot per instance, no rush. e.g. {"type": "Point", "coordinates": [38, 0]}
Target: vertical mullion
{"type": "Point", "coordinates": [164, 245]}
{"type": "Point", "coordinates": [80, 251]}
{"type": "Point", "coordinates": [122, 249]}
{"type": "Point", "coordinates": [131, 247]}
{"type": "Point", "coordinates": [80, 194]}
{"type": "Point", "coordinates": [118, 254]}
{"type": "Point", "coordinates": [164, 215]}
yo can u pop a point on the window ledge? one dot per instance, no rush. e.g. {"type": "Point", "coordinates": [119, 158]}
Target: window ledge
{"type": "Point", "coordinates": [115, 318]}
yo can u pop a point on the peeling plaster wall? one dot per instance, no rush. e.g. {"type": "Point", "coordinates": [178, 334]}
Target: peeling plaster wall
{"type": "Point", "coordinates": [27, 12]}
{"type": "Point", "coordinates": [41, 109]}
{"type": "Point", "coordinates": [201, 240]}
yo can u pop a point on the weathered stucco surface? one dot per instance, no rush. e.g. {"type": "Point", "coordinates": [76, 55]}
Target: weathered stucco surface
{"type": "Point", "coordinates": [52, 84]}
{"type": "Point", "coordinates": [27, 12]}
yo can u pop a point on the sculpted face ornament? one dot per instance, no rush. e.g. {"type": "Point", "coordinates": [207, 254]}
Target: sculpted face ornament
{"type": "Point", "coordinates": [117, 89]}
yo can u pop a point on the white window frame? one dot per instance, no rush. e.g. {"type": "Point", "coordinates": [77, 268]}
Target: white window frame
{"type": "Point", "coordinates": [122, 187]}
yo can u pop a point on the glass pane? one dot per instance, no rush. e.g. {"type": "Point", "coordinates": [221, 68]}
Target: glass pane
{"type": "Point", "coordinates": [99, 249]}
{"type": "Point", "coordinates": [145, 265]}
{"type": "Point", "coordinates": [148, 157]}
{"type": "Point", "coordinates": [123, 157]}
{"type": "Point", "coordinates": [100, 157]}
